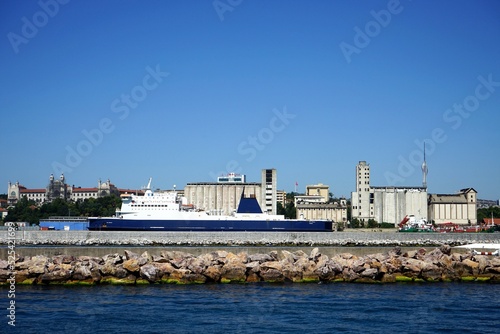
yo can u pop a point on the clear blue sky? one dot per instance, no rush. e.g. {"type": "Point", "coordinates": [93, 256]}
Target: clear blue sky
{"type": "Point", "coordinates": [182, 91]}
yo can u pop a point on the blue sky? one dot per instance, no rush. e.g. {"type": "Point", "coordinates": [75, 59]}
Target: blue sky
{"type": "Point", "coordinates": [182, 91]}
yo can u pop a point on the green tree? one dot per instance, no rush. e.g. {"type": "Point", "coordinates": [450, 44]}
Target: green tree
{"type": "Point", "coordinates": [98, 207]}
{"type": "Point", "coordinates": [487, 213]}
{"type": "Point", "coordinates": [290, 211]}
{"type": "Point", "coordinates": [280, 210]}
{"type": "Point", "coordinates": [24, 211]}
{"type": "Point", "coordinates": [28, 211]}
{"type": "Point", "coordinates": [355, 223]}
{"type": "Point", "coordinates": [372, 223]}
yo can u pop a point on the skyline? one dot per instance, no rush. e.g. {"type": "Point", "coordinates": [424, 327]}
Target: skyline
{"type": "Point", "coordinates": [184, 92]}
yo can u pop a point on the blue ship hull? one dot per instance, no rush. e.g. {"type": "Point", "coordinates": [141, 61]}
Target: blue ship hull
{"type": "Point", "coordinates": [291, 225]}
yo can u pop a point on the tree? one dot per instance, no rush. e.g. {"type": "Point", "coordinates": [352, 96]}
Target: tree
{"type": "Point", "coordinates": [372, 223]}
{"type": "Point", "coordinates": [24, 211]}
{"type": "Point", "coordinates": [487, 213]}
{"type": "Point", "coordinates": [290, 210]}
{"type": "Point", "coordinates": [28, 211]}
{"type": "Point", "coordinates": [280, 209]}
{"type": "Point", "coordinates": [355, 223]}
{"type": "Point", "coordinates": [98, 207]}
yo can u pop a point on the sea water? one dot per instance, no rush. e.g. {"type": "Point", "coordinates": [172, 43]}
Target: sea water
{"type": "Point", "coordinates": [256, 308]}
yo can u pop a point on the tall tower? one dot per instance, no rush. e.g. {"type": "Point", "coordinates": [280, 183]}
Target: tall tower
{"type": "Point", "coordinates": [269, 186]}
{"type": "Point", "coordinates": [424, 171]}
{"type": "Point", "coordinates": [362, 200]}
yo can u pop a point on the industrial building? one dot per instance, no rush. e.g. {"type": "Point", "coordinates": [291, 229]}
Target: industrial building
{"type": "Point", "coordinates": [385, 204]}
{"type": "Point", "coordinates": [315, 204]}
{"type": "Point", "coordinates": [392, 204]}
{"type": "Point", "coordinates": [459, 208]}
{"type": "Point", "coordinates": [222, 197]}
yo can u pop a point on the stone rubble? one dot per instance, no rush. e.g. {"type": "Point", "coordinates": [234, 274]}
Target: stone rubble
{"type": "Point", "coordinates": [437, 265]}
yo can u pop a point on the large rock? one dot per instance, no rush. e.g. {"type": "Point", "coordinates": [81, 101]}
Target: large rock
{"type": "Point", "coordinates": [63, 259]}
{"type": "Point", "coordinates": [37, 265]}
{"type": "Point", "coordinates": [132, 265]}
{"type": "Point", "coordinates": [234, 268]}
{"type": "Point", "coordinates": [349, 275]}
{"type": "Point", "coordinates": [468, 266]}
{"type": "Point", "coordinates": [233, 273]}
{"type": "Point", "coordinates": [369, 273]}
{"type": "Point", "coordinates": [272, 275]}
{"type": "Point", "coordinates": [130, 255]}
{"type": "Point", "coordinates": [483, 262]}
{"type": "Point", "coordinates": [445, 249]}
{"type": "Point", "coordinates": [197, 265]}
{"type": "Point", "coordinates": [260, 258]}
{"type": "Point", "coordinates": [108, 269]}
{"type": "Point", "coordinates": [253, 267]}
{"type": "Point", "coordinates": [177, 276]}
{"type": "Point", "coordinates": [164, 268]}
{"type": "Point", "coordinates": [159, 259]}
{"type": "Point", "coordinates": [149, 272]}
{"type": "Point", "coordinates": [4, 264]}
{"type": "Point", "coordinates": [307, 268]}
{"type": "Point", "coordinates": [412, 265]}
{"type": "Point", "coordinates": [213, 273]}
{"type": "Point", "coordinates": [81, 272]}
{"type": "Point", "coordinates": [315, 254]}
{"type": "Point", "coordinates": [112, 259]}
{"type": "Point", "coordinates": [60, 274]}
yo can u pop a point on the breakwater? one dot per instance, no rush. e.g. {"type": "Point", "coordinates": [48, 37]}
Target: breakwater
{"type": "Point", "coordinates": [175, 267]}
{"type": "Point", "coordinates": [347, 238]}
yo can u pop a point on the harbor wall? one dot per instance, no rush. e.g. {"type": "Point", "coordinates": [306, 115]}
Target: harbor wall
{"type": "Point", "coordinates": [346, 238]}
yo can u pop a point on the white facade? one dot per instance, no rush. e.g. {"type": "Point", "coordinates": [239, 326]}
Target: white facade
{"type": "Point", "coordinates": [336, 212]}
{"type": "Point", "coordinates": [460, 208]}
{"type": "Point", "coordinates": [219, 198]}
{"type": "Point", "coordinates": [269, 186]}
{"type": "Point", "coordinates": [57, 188]}
{"type": "Point", "coordinates": [222, 198]}
{"type": "Point", "coordinates": [319, 190]}
{"type": "Point", "coordinates": [362, 199]}
{"type": "Point", "coordinates": [281, 197]}
{"type": "Point", "coordinates": [385, 204]}
{"type": "Point", "coordinates": [392, 204]}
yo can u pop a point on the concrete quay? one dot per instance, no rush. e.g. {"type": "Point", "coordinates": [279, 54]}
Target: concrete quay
{"type": "Point", "coordinates": [345, 238]}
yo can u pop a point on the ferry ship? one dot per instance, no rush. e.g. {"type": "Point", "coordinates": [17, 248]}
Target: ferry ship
{"type": "Point", "coordinates": [165, 211]}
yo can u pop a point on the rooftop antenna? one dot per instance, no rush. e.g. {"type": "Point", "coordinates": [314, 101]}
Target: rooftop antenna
{"type": "Point", "coordinates": [424, 171]}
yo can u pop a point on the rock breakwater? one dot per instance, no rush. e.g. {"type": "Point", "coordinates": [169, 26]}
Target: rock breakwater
{"type": "Point", "coordinates": [175, 267]}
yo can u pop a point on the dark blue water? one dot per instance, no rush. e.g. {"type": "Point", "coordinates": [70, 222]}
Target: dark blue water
{"type": "Point", "coordinates": [255, 308]}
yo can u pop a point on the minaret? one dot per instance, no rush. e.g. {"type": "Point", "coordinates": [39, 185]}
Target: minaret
{"type": "Point", "coordinates": [424, 171]}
